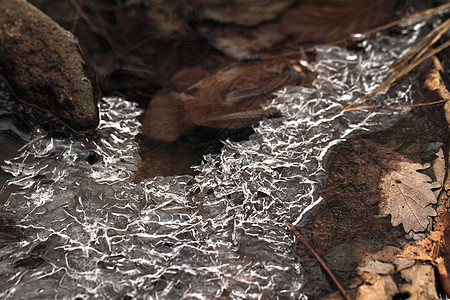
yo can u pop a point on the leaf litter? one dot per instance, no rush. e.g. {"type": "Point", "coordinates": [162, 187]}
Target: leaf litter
{"type": "Point", "coordinates": [381, 263]}
{"type": "Point", "coordinates": [406, 195]}
{"type": "Point", "coordinates": [358, 190]}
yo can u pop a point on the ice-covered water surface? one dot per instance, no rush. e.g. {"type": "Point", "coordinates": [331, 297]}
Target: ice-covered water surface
{"type": "Point", "coordinates": [87, 231]}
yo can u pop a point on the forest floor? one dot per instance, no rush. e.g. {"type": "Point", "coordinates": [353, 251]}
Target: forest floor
{"type": "Point", "coordinates": [382, 225]}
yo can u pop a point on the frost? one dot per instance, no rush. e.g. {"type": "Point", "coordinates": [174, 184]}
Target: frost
{"type": "Point", "coordinates": [93, 233]}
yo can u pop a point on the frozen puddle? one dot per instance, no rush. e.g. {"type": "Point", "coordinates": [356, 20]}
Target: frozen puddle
{"type": "Point", "coordinates": [85, 230]}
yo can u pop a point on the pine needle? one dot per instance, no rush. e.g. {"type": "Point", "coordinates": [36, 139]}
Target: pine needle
{"type": "Point", "coordinates": [421, 14]}
{"type": "Point", "coordinates": [417, 55]}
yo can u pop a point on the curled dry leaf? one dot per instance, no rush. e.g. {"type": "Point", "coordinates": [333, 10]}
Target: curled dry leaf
{"type": "Point", "coordinates": [233, 97]}
{"type": "Point", "coordinates": [434, 81]}
{"type": "Point", "coordinates": [376, 287]}
{"type": "Point", "coordinates": [407, 196]}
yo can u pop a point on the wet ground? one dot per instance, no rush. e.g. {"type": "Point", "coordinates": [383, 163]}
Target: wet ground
{"type": "Point", "coordinates": [144, 49]}
{"type": "Point", "coordinates": [346, 226]}
{"type": "Point", "coordinates": [345, 222]}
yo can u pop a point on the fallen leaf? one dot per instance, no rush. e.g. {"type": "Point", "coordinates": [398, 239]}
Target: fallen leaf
{"type": "Point", "coordinates": [403, 263]}
{"type": "Point", "coordinates": [329, 20]}
{"type": "Point", "coordinates": [230, 98]}
{"type": "Point", "coordinates": [435, 247]}
{"type": "Point", "coordinates": [407, 196]}
{"type": "Point", "coordinates": [425, 249]}
{"type": "Point", "coordinates": [420, 282]}
{"type": "Point", "coordinates": [434, 82]}
{"type": "Point", "coordinates": [377, 287]}
{"type": "Point", "coordinates": [245, 13]}
{"type": "Point", "coordinates": [377, 267]}
{"type": "Point", "coordinates": [384, 262]}
{"type": "Point", "coordinates": [439, 170]}
{"type": "Point", "coordinates": [443, 260]}
{"type": "Point", "coordinates": [439, 163]}
{"type": "Point", "coordinates": [243, 43]}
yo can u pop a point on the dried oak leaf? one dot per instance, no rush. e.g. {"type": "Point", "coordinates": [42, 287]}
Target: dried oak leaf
{"type": "Point", "coordinates": [406, 196]}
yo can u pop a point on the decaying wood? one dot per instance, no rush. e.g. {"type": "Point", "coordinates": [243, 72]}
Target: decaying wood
{"type": "Point", "coordinates": [44, 66]}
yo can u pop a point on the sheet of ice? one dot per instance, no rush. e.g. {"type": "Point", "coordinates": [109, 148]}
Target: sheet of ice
{"type": "Point", "coordinates": [87, 231]}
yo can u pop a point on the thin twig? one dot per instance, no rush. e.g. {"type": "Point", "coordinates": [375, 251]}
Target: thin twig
{"type": "Point", "coordinates": [402, 73]}
{"type": "Point", "coordinates": [408, 18]}
{"type": "Point", "coordinates": [91, 25]}
{"type": "Point", "coordinates": [398, 106]}
{"type": "Point", "coordinates": [76, 18]}
{"type": "Point", "coordinates": [366, 33]}
{"type": "Point", "coordinates": [319, 259]}
{"type": "Point", "coordinates": [423, 44]}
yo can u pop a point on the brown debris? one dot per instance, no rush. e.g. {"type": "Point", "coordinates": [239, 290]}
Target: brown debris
{"type": "Point", "coordinates": [44, 65]}
{"type": "Point", "coordinates": [347, 229]}
{"type": "Point", "coordinates": [376, 287]}
{"type": "Point", "coordinates": [434, 248]}
{"type": "Point", "coordinates": [319, 259]}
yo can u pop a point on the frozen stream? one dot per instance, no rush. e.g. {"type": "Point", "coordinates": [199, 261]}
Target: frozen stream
{"type": "Point", "coordinates": [85, 230]}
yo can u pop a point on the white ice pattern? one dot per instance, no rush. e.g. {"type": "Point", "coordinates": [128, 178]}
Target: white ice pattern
{"type": "Point", "coordinates": [220, 233]}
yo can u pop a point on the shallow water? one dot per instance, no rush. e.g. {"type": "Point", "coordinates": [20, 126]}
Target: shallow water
{"type": "Point", "coordinates": [80, 227]}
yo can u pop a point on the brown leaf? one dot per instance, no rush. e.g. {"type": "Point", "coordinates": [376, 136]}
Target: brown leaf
{"type": "Point", "coordinates": [325, 21]}
{"type": "Point", "coordinates": [435, 247]}
{"type": "Point", "coordinates": [230, 98]}
{"type": "Point", "coordinates": [376, 266]}
{"type": "Point", "coordinates": [377, 287]}
{"type": "Point", "coordinates": [244, 43]}
{"type": "Point", "coordinates": [246, 13]}
{"type": "Point", "coordinates": [420, 282]}
{"type": "Point", "coordinates": [439, 165]}
{"type": "Point", "coordinates": [384, 262]}
{"type": "Point", "coordinates": [407, 196]}
{"type": "Point", "coordinates": [426, 249]}
{"type": "Point", "coordinates": [434, 82]}
{"type": "Point", "coordinates": [443, 261]}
